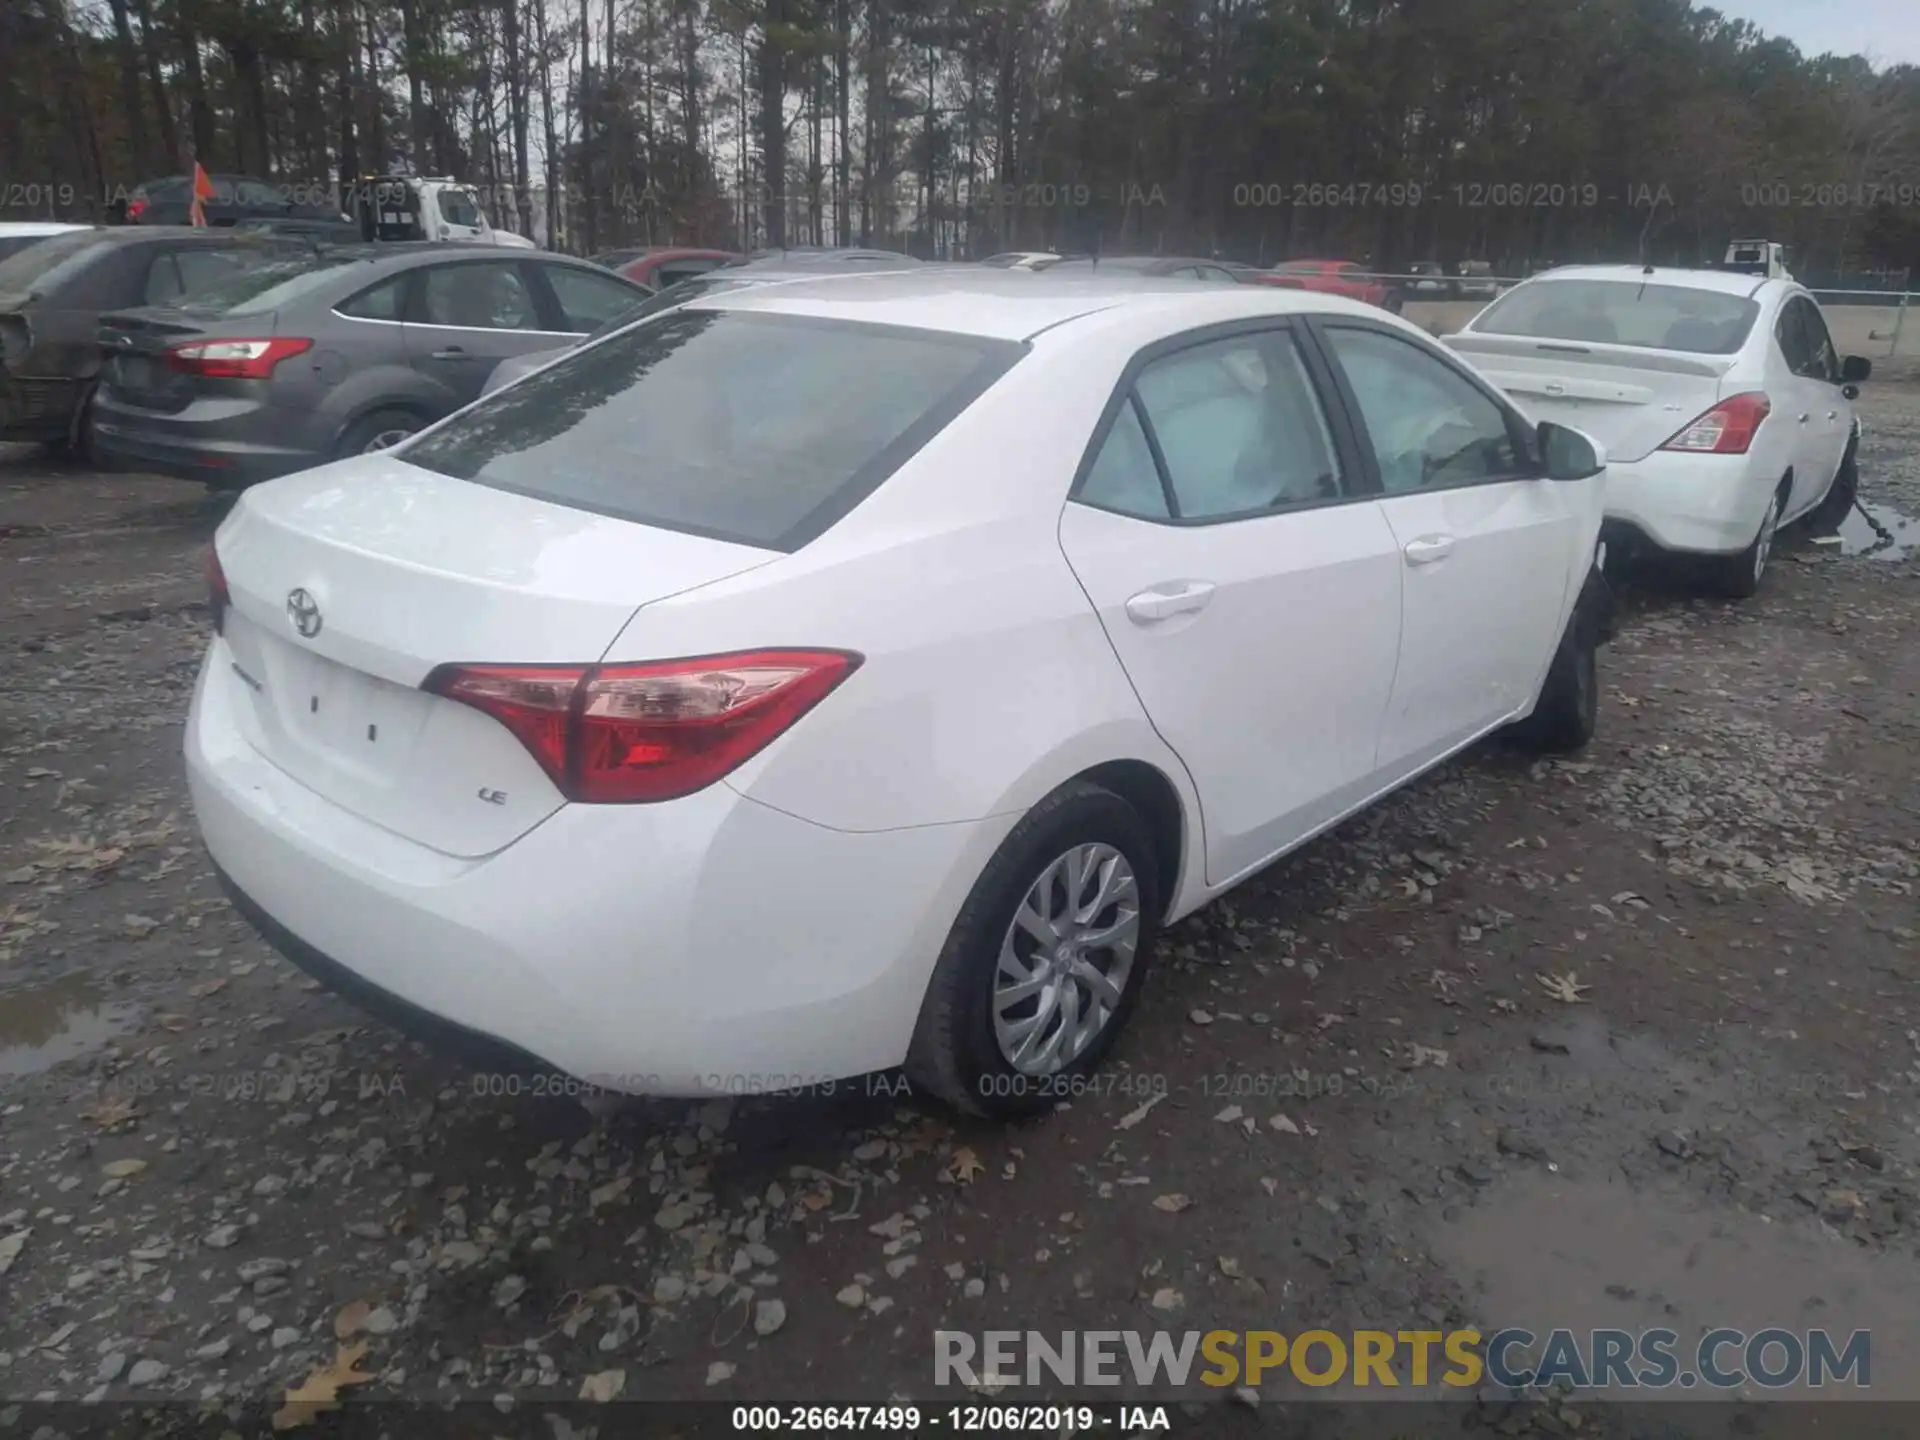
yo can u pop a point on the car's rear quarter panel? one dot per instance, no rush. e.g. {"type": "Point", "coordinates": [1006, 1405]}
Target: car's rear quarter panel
{"type": "Point", "coordinates": [988, 680]}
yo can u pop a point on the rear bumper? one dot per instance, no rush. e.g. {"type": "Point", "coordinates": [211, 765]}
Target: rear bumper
{"type": "Point", "coordinates": [1705, 504]}
{"type": "Point", "coordinates": [203, 442]}
{"type": "Point", "coordinates": [38, 407]}
{"type": "Point", "coordinates": [711, 945]}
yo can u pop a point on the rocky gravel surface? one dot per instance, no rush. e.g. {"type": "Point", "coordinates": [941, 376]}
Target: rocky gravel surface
{"type": "Point", "coordinates": [1628, 1039]}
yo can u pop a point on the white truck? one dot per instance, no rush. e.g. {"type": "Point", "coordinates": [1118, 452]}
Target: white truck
{"type": "Point", "coordinates": [426, 207]}
{"type": "Point", "coordinates": [1757, 257]}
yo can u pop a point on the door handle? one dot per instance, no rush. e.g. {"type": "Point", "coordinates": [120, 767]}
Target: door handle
{"type": "Point", "coordinates": [1428, 548]}
{"type": "Point", "coordinates": [1833, 414]}
{"type": "Point", "coordinates": [1803, 419]}
{"type": "Point", "coordinates": [1163, 602]}
{"type": "Point", "coordinates": [454, 352]}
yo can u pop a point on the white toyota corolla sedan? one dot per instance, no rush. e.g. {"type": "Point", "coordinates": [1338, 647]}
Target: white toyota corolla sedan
{"type": "Point", "coordinates": [821, 678]}
{"type": "Point", "coordinates": [1724, 408]}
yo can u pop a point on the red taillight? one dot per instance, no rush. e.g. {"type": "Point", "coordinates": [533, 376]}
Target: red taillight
{"type": "Point", "coordinates": [1727, 429]}
{"type": "Point", "coordinates": [234, 359]}
{"type": "Point", "coordinates": [219, 598]}
{"type": "Point", "coordinates": [136, 208]}
{"type": "Point", "coordinates": [636, 733]}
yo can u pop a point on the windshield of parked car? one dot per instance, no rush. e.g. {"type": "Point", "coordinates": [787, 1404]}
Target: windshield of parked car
{"type": "Point", "coordinates": [458, 207]}
{"type": "Point", "coordinates": [758, 429]}
{"type": "Point", "coordinates": [1623, 312]}
{"type": "Point", "coordinates": [43, 264]}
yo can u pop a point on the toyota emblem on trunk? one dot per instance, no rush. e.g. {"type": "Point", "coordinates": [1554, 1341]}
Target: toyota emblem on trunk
{"type": "Point", "coordinates": [304, 611]}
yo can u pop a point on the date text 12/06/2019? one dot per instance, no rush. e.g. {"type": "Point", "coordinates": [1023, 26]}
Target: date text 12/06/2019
{"type": "Point", "coordinates": [968, 1419]}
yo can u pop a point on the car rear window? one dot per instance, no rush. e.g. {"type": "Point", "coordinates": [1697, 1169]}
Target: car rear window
{"type": "Point", "coordinates": [758, 429]}
{"type": "Point", "coordinates": [267, 278]}
{"type": "Point", "coordinates": [1623, 312]}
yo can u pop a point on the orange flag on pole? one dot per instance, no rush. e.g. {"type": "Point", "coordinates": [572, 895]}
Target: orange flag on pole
{"type": "Point", "coordinates": [202, 192]}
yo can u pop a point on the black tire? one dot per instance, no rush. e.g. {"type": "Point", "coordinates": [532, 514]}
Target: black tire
{"type": "Point", "coordinates": [78, 445]}
{"type": "Point", "coordinates": [1840, 496]}
{"type": "Point", "coordinates": [1738, 576]}
{"type": "Point", "coordinates": [358, 438]}
{"type": "Point", "coordinates": [1568, 710]}
{"type": "Point", "coordinates": [954, 1053]}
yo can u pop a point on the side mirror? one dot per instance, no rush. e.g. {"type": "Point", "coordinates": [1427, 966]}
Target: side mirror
{"type": "Point", "coordinates": [1854, 369]}
{"type": "Point", "coordinates": [1569, 454]}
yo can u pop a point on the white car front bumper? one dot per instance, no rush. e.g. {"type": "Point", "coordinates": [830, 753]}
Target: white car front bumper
{"type": "Point", "coordinates": [1710, 504]}
{"type": "Point", "coordinates": [709, 945]}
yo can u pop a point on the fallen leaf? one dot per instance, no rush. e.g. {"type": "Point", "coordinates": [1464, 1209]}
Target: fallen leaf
{"type": "Point", "coordinates": [122, 1169]}
{"type": "Point", "coordinates": [1229, 1266]}
{"type": "Point", "coordinates": [603, 1385]}
{"type": "Point", "coordinates": [1564, 988]}
{"type": "Point", "coordinates": [1284, 1125]}
{"type": "Point", "coordinates": [606, 1194]}
{"type": "Point", "coordinates": [175, 1023]}
{"type": "Point", "coordinates": [11, 1247]}
{"type": "Point", "coordinates": [139, 926]}
{"type": "Point", "coordinates": [965, 1166]}
{"type": "Point", "coordinates": [114, 1112]}
{"type": "Point", "coordinates": [1230, 1114]}
{"type": "Point", "coordinates": [1428, 1055]}
{"type": "Point", "coordinates": [1139, 1112]}
{"type": "Point", "coordinates": [1172, 1204]}
{"type": "Point", "coordinates": [352, 1319]}
{"type": "Point", "coordinates": [320, 1391]}
{"type": "Point", "coordinates": [816, 1199]}
{"type": "Point", "coordinates": [207, 987]}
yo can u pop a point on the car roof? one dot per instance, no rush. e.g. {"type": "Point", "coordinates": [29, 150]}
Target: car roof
{"type": "Point", "coordinates": [39, 227]}
{"type": "Point", "coordinates": [1727, 282]}
{"type": "Point", "coordinates": [1011, 304]}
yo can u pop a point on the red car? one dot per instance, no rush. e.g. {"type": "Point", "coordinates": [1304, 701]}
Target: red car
{"type": "Point", "coordinates": [663, 265]}
{"type": "Point", "coordinates": [1335, 277]}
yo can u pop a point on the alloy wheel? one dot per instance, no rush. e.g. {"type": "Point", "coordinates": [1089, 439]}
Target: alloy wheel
{"type": "Point", "coordinates": [1066, 958]}
{"type": "Point", "coordinates": [383, 440]}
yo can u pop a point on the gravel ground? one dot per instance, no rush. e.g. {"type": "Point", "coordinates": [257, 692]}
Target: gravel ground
{"type": "Point", "coordinates": [1376, 1111]}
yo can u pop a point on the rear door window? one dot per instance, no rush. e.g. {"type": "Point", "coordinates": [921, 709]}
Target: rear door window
{"type": "Point", "coordinates": [492, 295]}
{"type": "Point", "coordinates": [377, 302]}
{"type": "Point", "coordinates": [1790, 334]}
{"type": "Point", "coordinates": [759, 429]}
{"type": "Point", "coordinates": [1813, 354]}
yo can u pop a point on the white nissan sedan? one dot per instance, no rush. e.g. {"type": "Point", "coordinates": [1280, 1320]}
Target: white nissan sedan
{"type": "Point", "coordinates": [821, 678]}
{"type": "Point", "coordinates": [1724, 408]}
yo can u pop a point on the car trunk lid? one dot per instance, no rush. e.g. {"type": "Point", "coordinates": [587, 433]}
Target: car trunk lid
{"type": "Point", "coordinates": [133, 363]}
{"type": "Point", "coordinates": [1630, 399]}
{"type": "Point", "coordinates": [351, 583]}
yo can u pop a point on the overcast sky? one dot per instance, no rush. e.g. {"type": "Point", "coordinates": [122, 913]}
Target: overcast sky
{"type": "Point", "coordinates": [1886, 30]}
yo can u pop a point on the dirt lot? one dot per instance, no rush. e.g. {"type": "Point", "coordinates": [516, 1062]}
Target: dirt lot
{"type": "Point", "coordinates": [1376, 1114]}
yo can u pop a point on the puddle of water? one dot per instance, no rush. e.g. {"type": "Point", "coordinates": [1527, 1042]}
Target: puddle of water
{"type": "Point", "coordinates": [1543, 1253]}
{"type": "Point", "coordinates": [1858, 535]}
{"type": "Point", "coordinates": [62, 1020]}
